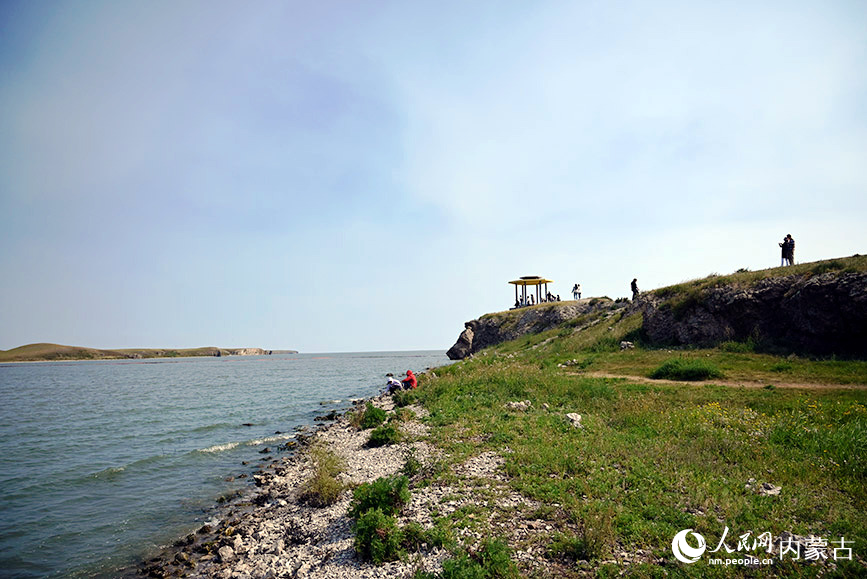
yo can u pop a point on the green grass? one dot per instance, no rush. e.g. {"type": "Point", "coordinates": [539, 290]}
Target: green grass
{"type": "Point", "coordinates": [654, 459]}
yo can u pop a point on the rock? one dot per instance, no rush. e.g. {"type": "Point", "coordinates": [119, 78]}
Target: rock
{"type": "Point", "coordinates": [464, 346]}
{"type": "Point", "coordinates": [626, 345]}
{"type": "Point", "coordinates": [767, 489]}
{"type": "Point", "coordinates": [822, 314]}
{"type": "Point", "coordinates": [522, 406]}
{"type": "Point", "coordinates": [496, 328]}
{"type": "Point", "coordinates": [575, 419]}
{"type": "Point", "coordinates": [226, 554]}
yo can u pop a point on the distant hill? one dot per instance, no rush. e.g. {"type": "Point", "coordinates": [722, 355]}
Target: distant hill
{"type": "Point", "coordinates": [816, 308]}
{"type": "Point", "coordinates": [51, 352]}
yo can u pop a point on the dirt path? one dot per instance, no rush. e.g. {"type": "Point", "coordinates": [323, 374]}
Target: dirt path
{"type": "Point", "coordinates": [731, 383]}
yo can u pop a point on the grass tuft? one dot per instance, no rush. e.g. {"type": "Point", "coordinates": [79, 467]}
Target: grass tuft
{"type": "Point", "coordinates": [691, 370]}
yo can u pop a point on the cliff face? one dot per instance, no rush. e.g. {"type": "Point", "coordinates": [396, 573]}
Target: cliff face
{"type": "Point", "coordinates": [809, 310]}
{"type": "Point", "coordinates": [493, 329]}
{"type": "Point", "coordinates": [821, 314]}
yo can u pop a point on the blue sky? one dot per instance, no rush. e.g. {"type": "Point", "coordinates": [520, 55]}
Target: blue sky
{"type": "Point", "coordinates": [345, 176]}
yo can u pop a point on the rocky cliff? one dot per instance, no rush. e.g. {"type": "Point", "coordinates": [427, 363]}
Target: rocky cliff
{"type": "Point", "coordinates": [493, 329]}
{"type": "Point", "coordinates": [817, 308]}
{"type": "Point", "coordinates": [822, 314]}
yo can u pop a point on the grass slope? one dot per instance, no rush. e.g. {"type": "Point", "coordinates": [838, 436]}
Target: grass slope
{"type": "Point", "coordinates": [657, 457]}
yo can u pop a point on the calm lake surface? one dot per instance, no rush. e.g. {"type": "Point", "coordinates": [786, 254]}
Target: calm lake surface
{"type": "Point", "coordinates": [103, 462]}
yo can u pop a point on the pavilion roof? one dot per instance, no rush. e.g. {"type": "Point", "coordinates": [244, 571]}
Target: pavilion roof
{"type": "Point", "coordinates": [531, 280]}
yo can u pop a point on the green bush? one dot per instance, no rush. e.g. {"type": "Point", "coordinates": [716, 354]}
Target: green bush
{"type": "Point", "coordinates": [385, 434]}
{"type": "Point", "coordinates": [411, 465]}
{"type": "Point", "coordinates": [569, 547]}
{"type": "Point", "coordinates": [378, 537]}
{"type": "Point", "coordinates": [746, 347]}
{"type": "Point", "coordinates": [388, 494]}
{"type": "Point", "coordinates": [403, 398]}
{"type": "Point", "coordinates": [323, 488]}
{"type": "Point", "coordinates": [679, 369]}
{"type": "Point", "coordinates": [492, 560]}
{"type": "Point", "coordinates": [372, 417]}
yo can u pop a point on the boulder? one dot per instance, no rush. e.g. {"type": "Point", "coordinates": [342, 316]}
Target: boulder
{"type": "Point", "coordinates": [464, 346]}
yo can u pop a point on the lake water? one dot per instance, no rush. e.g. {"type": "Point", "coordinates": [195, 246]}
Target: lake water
{"type": "Point", "coordinates": [103, 462]}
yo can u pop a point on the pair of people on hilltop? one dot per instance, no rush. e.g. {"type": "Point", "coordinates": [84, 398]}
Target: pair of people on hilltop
{"type": "Point", "coordinates": [408, 383]}
{"type": "Point", "coordinates": [576, 291]}
{"type": "Point", "coordinates": [788, 250]}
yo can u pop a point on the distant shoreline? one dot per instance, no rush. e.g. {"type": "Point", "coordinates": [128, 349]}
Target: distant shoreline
{"type": "Point", "coordinates": [45, 352]}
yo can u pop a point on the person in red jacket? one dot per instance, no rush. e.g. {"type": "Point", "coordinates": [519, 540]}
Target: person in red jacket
{"type": "Point", "coordinates": [409, 381]}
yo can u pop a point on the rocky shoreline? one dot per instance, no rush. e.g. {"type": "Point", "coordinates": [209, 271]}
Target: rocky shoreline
{"type": "Point", "coordinates": [270, 531]}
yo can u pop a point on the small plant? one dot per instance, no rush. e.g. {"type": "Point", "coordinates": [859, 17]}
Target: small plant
{"type": "Point", "coordinates": [411, 465]}
{"type": "Point", "coordinates": [679, 369]}
{"type": "Point", "coordinates": [403, 398]}
{"type": "Point", "coordinates": [491, 560]}
{"type": "Point", "coordinates": [372, 417]}
{"type": "Point", "coordinates": [378, 537]}
{"type": "Point", "coordinates": [568, 547]}
{"type": "Point", "coordinates": [323, 488]}
{"type": "Point", "coordinates": [402, 415]}
{"type": "Point", "coordinates": [388, 494]}
{"type": "Point", "coordinates": [734, 347]}
{"type": "Point", "coordinates": [781, 367]}
{"type": "Point", "coordinates": [384, 435]}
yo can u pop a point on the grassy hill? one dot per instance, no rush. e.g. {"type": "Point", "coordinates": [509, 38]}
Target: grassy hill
{"type": "Point", "coordinates": [671, 439]}
{"type": "Point", "coordinates": [49, 352]}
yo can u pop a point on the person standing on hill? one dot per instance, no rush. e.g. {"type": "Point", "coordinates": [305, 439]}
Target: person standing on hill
{"type": "Point", "coordinates": [790, 252]}
{"type": "Point", "coordinates": [635, 291]}
{"type": "Point", "coordinates": [784, 251]}
{"type": "Point", "coordinates": [576, 291]}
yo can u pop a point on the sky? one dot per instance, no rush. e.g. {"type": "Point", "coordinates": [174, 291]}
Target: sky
{"type": "Point", "coordinates": [362, 176]}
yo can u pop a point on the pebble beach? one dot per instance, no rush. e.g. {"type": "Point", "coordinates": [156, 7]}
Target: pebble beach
{"type": "Point", "coordinates": [270, 531]}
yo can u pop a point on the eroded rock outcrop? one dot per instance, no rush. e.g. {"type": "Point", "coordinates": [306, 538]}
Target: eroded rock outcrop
{"type": "Point", "coordinates": [820, 314]}
{"type": "Point", "coordinates": [493, 329]}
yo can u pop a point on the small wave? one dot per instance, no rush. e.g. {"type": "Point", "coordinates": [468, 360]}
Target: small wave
{"type": "Point", "coordinates": [207, 427]}
{"type": "Point", "coordinates": [276, 438]}
{"type": "Point", "coordinates": [327, 402]}
{"type": "Point", "coordinates": [108, 473]}
{"type": "Point", "coordinates": [219, 447]}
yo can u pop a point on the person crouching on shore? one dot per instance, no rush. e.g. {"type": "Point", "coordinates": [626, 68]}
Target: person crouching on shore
{"type": "Point", "coordinates": [392, 385]}
{"type": "Point", "coordinates": [410, 381]}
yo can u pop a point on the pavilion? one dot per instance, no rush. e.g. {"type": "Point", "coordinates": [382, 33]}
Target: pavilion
{"type": "Point", "coordinates": [531, 280]}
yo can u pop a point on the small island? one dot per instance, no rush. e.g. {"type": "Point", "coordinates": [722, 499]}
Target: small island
{"type": "Point", "coordinates": [45, 352]}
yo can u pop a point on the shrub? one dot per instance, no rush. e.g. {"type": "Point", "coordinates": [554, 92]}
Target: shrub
{"type": "Point", "coordinates": [411, 465]}
{"type": "Point", "coordinates": [323, 488]}
{"type": "Point", "coordinates": [403, 398]}
{"type": "Point", "coordinates": [491, 560]}
{"type": "Point", "coordinates": [378, 537]}
{"type": "Point", "coordinates": [388, 494]}
{"type": "Point", "coordinates": [385, 434]}
{"type": "Point", "coordinates": [372, 417]}
{"type": "Point", "coordinates": [679, 369]}
{"type": "Point", "coordinates": [781, 367]}
{"type": "Point", "coordinates": [739, 347]}
{"type": "Point", "coordinates": [569, 547]}
{"type": "Point", "coordinates": [402, 415]}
